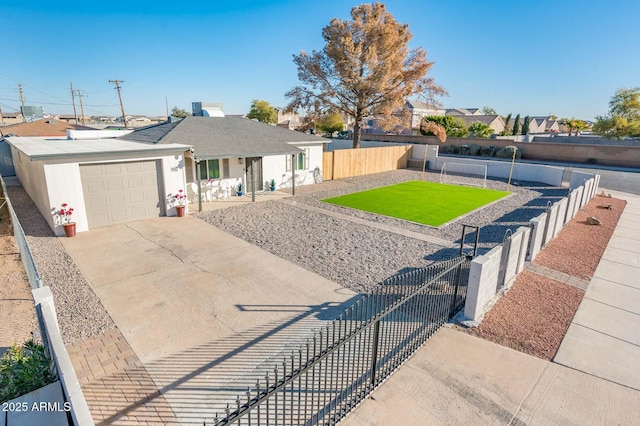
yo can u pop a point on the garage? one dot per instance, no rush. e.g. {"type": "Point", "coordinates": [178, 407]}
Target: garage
{"type": "Point", "coordinates": [121, 192]}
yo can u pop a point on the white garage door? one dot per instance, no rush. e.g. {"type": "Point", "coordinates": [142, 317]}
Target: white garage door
{"type": "Point", "coordinates": [120, 192]}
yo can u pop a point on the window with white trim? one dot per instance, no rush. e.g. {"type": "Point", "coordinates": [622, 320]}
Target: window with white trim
{"type": "Point", "coordinates": [209, 169]}
{"type": "Point", "coordinates": [302, 160]}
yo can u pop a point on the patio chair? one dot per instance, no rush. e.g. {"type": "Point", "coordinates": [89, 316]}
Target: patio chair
{"type": "Point", "coordinates": [212, 190]}
{"type": "Point", "coordinates": [224, 191]}
{"type": "Point", "coordinates": [192, 193]}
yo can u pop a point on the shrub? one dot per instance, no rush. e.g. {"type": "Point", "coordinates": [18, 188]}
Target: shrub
{"type": "Point", "coordinates": [488, 151]}
{"type": "Point", "coordinates": [24, 369]}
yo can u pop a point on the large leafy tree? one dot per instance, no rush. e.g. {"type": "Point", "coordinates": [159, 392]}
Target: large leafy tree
{"type": "Point", "coordinates": [263, 111]}
{"type": "Point", "coordinates": [480, 130]}
{"type": "Point", "coordinates": [366, 69]}
{"type": "Point", "coordinates": [489, 111]}
{"type": "Point", "coordinates": [331, 122]}
{"type": "Point", "coordinates": [179, 113]}
{"type": "Point", "coordinates": [454, 127]}
{"type": "Point", "coordinates": [623, 119]}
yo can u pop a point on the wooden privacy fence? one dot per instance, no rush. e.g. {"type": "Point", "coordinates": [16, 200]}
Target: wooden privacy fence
{"type": "Point", "coordinates": [346, 163]}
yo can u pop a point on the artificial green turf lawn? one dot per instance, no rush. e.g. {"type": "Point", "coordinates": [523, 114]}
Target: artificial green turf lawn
{"type": "Point", "coordinates": [429, 203]}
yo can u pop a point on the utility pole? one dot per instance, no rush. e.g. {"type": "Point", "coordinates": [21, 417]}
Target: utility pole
{"type": "Point", "coordinates": [80, 96]}
{"type": "Point", "coordinates": [117, 83]}
{"type": "Point", "coordinates": [22, 102]}
{"type": "Point", "coordinates": [1, 117]}
{"type": "Point", "coordinates": [73, 99]}
{"type": "Point", "coordinates": [166, 102]}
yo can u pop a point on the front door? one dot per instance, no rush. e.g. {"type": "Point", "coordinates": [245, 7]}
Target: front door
{"type": "Point", "coordinates": [254, 163]}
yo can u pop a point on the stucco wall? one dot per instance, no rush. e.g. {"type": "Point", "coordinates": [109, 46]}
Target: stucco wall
{"type": "Point", "coordinates": [50, 183]}
{"type": "Point", "coordinates": [613, 155]}
{"type": "Point", "coordinates": [522, 172]}
{"type": "Point", "coordinates": [31, 176]}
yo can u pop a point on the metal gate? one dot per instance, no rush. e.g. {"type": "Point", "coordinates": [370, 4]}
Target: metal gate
{"type": "Point", "coordinates": [344, 362]}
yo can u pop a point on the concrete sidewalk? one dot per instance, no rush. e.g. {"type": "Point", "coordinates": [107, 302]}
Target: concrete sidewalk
{"type": "Point", "coordinates": [604, 337]}
{"type": "Point", "coordinates": [594, 379]}
{"type": "Point", "coordinates": [459, 379]}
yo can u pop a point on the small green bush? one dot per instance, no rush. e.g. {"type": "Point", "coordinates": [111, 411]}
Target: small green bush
{"type": "Point", "coordinates": [24, 369]}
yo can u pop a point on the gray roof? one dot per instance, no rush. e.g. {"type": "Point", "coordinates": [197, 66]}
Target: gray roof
{"type": "Point", "coordinates": [420, 105]}
{"type": "Point", "coordinates": [224, 137]}
{"type": "Point", "coordinates": [486, 119]}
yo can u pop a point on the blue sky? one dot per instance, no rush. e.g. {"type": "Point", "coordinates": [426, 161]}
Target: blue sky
{"type": "Point", "coordinates": [560, 57]}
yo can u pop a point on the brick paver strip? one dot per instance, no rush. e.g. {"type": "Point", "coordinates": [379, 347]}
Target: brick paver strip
{"type": "Point", "coordinates": [558, 276]}
{"type": "Point", "coordinates": [117, 387]}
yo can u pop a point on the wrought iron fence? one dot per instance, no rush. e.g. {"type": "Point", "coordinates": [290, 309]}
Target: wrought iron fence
{"type": "Point", "coordinates": [333, 372]}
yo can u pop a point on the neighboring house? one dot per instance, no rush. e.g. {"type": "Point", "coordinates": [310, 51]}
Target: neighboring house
{"type": "Point", "coordinates": [496, 122]}
{"type": "Point", "coordinates": [413, 111]}
{"type": "Point", "coordinates": [546, 124]}
{"type": "Point", "coordinates": [288, 119]}
{"type": "Point", "coordinates": [7, 118]}
{"type": "Point", "coordinates": [38, 128]}
{"type": "Point", "coordinates": [41, 128]}
{"type": "Point", "coordinates": [417, 110]}
{"type": "Point", "coordinates": [463, 111]}
{"type": "Point", "coordinates": [223, 149]}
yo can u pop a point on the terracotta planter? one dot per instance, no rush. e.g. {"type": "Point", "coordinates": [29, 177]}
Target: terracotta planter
{"type": "Point", "coordinates": [70, 229]}
{"type": "Point", "coordinates": [180, 211]}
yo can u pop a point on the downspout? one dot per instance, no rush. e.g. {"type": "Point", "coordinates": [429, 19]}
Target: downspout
{"type": "Point", "coordinates": [293, 174]}
{"type": "Point", "coordinates": [199, 185]}
{"type": "Point", "coordinates": [253, 180]}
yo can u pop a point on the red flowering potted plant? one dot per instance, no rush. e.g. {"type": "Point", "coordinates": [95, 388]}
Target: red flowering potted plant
{"type": "Point", "coordinates": [65, 214]}
{"type": "Point", "coordinates": [179, 198]}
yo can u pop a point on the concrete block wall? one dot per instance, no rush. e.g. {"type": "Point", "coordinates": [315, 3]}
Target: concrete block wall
{"type": "Point", "coordinates": [560, 219]}
{"type": "Point", "coordinates": [483, 277]}
{"type": "Point", "coordinates": [588, 187]}
{"type": "Point", "coordinates": [526, 233]}
{"type": "Point", "coordinates": [551, 218]}
{"type": "Point", "coordinates": [513, 258]}
{"type": "Point", "coordinates": [483, 280]}
{"type": "Point", "coordinates": [571, 205]}
{"type": "Point", "coordinates": [580, 196]}
{"type": "Point", "coordinates": [578, 178]}
{"type": "Point", "coordinates": [537, 232]}
{"type": "Point", "coordinates": [521, 171]}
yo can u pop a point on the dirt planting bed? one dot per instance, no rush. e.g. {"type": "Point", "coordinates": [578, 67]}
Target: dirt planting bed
{"type": "Point", "coordinates": [578, 248]}
{"type": "Point", "coordinates": [534, 315]}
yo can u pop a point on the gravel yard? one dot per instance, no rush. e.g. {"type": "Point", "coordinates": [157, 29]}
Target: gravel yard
{"type": "Point", "coordinates": [80, 312]}
{"type": "Point", "coordinates": [359, 256]}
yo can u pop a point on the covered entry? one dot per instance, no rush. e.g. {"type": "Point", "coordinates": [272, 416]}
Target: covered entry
{"type": "Point", "coordinates": [121, 192]}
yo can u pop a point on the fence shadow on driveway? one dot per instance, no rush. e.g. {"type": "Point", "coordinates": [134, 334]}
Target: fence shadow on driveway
{"type": "Point", "coordinates": [199, 382]}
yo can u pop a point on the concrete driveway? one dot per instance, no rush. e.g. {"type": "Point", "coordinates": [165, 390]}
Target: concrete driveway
{"type": "Point", "coordinates": [205, 312]}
